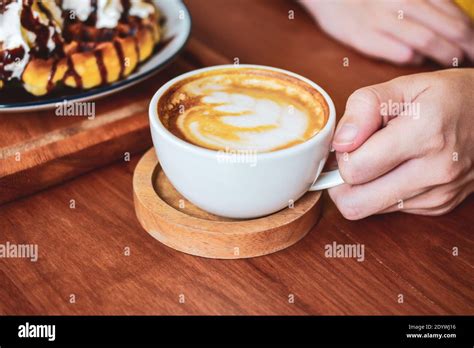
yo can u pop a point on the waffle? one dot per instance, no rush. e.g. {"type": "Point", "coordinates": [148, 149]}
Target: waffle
{"type": "Point", "coordinates": [86, 56]}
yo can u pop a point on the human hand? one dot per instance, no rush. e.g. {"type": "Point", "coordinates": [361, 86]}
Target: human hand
{"type": "Point", "coordinates": [400, 31]}
{"type": "Point", "coordinates": [419, 160]}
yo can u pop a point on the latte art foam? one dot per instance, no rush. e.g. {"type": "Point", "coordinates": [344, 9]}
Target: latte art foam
{"type": "Point", "coordinates": [243, 109]}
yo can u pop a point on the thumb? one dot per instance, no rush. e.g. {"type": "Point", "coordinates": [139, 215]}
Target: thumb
{"type": "Point", "coordinates": [365, 114]}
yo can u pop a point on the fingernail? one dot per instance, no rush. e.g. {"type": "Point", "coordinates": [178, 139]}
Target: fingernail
{"type": "Point", "coordinates": [346, 134]}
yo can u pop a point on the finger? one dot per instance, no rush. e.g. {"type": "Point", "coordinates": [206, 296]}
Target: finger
{"type": "Point", "coordinates": [436, 199]}
{"type": "Point", "coordinates": [457, 28]}
{"type": "Point", "coordinates": [384, 150]}
{"type": "Point", "coordinates": [455, 11]}
{"type": "Point", "coordinates": [378, 45]}
{"type": "Point", "coordinates": [418, 59]}
{"type": "Point", "coordinates": [363, 115]}
{"type": "Point", "coordinates": [424, 40]}
{"type": "Point", "coordinates": [468, 47]}
{"type": "Point", "coordinates": [358, 201]}
{"type": "Point", "coordinates": [440, 210]}
{"type": "Point", "coordinates": [451, 9]}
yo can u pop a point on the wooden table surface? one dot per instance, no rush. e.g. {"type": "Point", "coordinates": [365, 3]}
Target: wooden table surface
{"type": "Point", "coordinates": [83, 251]}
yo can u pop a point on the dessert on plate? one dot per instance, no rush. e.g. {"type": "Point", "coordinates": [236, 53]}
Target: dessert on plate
{"type": "Point", "coordinates": [77, 43]}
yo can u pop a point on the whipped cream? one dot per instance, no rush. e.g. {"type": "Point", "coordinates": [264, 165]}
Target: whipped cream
{"type": "Point", "coordinates": [11, 37]}
{"type": "Point", "coordinates": [108, 11]}
{"type": "Point", "coordinates": [80, 9]}
{"type": "Point", "coordinates": [141, 9]}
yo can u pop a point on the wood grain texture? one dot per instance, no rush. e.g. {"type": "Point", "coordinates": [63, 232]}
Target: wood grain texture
{"type": "Point", "coordinates": [179, 224]}
{"type": "Point", "coordinates": [81, 250]}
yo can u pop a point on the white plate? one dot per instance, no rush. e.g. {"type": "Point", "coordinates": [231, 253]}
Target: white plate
{"type": "Point", "coordinates": [177, 29]}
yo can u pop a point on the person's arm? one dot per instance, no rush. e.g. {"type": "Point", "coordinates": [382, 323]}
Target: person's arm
{"type": "Point", "coordinates": [400, 31]}
{"type": "Point", "coordinates": [407, 145]}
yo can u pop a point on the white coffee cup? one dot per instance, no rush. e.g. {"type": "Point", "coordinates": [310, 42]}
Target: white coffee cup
{"type": "Point", "coordinates": [260, 186]}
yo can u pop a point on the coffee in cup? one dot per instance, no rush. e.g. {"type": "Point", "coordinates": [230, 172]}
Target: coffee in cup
{"type": "Point", "coordinates": [243, 109]}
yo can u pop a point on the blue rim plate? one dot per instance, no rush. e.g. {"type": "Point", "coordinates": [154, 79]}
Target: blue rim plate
{"type": "Point", "coordinates": [176, 33]}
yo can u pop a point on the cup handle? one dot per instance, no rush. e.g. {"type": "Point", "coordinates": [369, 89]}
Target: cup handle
{"type": "Point", "coordinates": [327, 180]}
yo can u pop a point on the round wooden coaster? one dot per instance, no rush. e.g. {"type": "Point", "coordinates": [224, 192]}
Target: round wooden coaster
{"type": "Point", "coordinates": [179, 224]}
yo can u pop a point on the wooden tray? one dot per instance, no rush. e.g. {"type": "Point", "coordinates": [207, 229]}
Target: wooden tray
{"type": "Point", "coordinates": [179, 224]}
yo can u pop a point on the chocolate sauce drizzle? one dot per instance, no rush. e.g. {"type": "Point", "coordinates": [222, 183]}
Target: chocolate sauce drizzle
{"type": "Point", "coordinates": [50, 84]}
{"type": "Point", "coordinates": [121, 57]}
{"type": "Point", "coordinates": [126, 10]}
{"type": "Point", "coordinates": [100, 64]}
{"type": "Point", "coordinates": [42, 32]}
{"type": "Point", "coordinates": [92, 20]}
{"type": "Point", "coordinates": [7, 57]}
{"type": "Point", "coordinates": [72, 72]}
